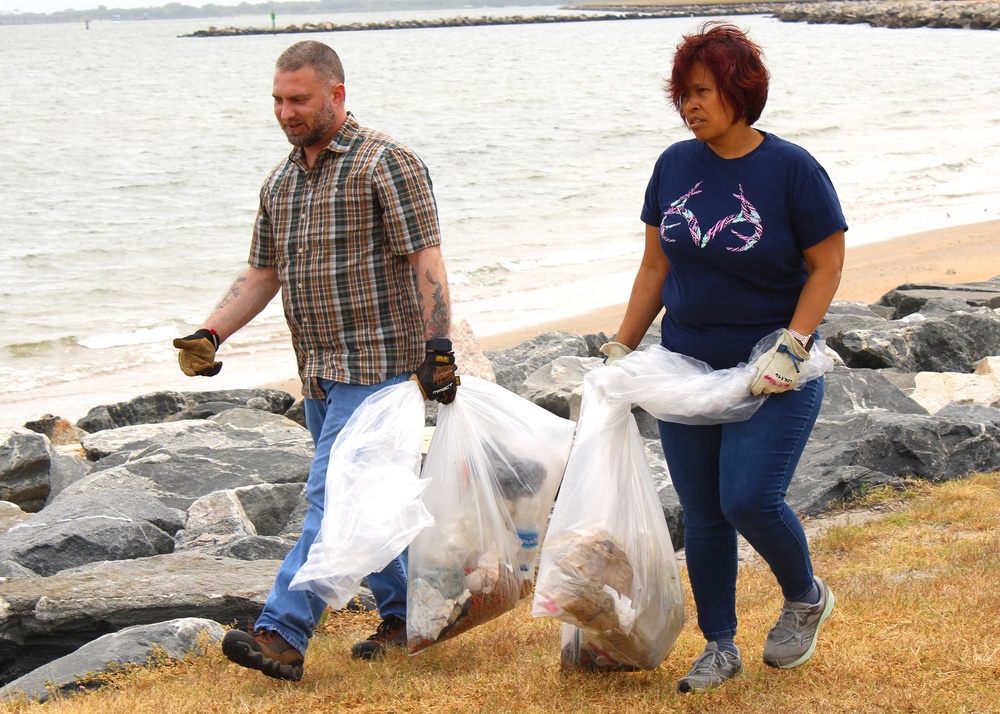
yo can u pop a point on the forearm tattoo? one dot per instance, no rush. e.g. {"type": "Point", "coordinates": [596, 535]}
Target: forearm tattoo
{"type": "Point", "coordinates": [234, 292]}
{"type": "Point", "coordinates": [439, 319]}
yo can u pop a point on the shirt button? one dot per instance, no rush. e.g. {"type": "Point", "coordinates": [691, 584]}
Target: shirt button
{"type": "Point", "coordinates": [301, 250]}
{"type": "Point", "coordinates": [298, 285]}
{"type": "Point", "coordinates": [336, 189]}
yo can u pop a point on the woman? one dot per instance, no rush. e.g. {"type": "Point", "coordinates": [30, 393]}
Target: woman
{"type": "Point", "coordinates": [744, 239]}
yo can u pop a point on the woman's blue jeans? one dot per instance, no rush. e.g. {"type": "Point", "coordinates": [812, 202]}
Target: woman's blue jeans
{"type": "Point", "coordinates": [294, 613]}
{"type": "Point", "coordinates": [732, 478]}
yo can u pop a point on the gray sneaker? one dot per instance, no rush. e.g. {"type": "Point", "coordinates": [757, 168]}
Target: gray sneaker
{"type": "Point", "coordinates": [711, 669]}
{"type": "Point", "coordinates": [792, 640]}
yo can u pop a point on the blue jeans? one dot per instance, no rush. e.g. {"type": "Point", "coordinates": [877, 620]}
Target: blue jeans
{"type": "Point", "coordinates": [732, 478]}
{"type": "Point", "coordinates": [294, 613]}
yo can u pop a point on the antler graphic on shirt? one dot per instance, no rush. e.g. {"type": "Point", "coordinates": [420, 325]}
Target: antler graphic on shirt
{"type": "Point", "coordinates": [747, 214]}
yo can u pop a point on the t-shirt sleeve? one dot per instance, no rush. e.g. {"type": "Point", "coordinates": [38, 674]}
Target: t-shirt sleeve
{"type": "Point", "coordinates": [403, 185]}
{"type": "Point", "coordinates": [816, 213]}
{"type": "Point", "coordinates": [651, 214]}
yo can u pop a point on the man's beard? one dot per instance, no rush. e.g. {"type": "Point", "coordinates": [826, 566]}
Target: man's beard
{"type": "Point", "coordinates": [324, 122]}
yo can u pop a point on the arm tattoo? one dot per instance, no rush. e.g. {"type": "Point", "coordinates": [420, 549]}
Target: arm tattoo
{"type": "Point", "coordinates": [437, 324]}
{"type": "Point", "coordinates": [234, 292]}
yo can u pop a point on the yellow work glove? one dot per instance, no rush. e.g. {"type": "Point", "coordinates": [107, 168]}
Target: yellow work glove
{"type": "Point", "coordinates": [613, 351]}
{"type": "Point", "coordinates": [197, 353]}
{"type": "Point", "coordinates": [778, 368]}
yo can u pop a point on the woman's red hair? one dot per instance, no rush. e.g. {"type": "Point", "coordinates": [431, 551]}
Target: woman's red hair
{"type": "Point", "coordinates": [734, 59]}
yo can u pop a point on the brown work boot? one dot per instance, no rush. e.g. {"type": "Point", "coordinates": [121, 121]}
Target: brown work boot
{"type": "Point", "coordinates": [391, 633]}
{"type": "Point", "coordinates": [264, 650]}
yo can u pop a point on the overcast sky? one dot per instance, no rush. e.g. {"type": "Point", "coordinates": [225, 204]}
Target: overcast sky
{"type": "Point", "coordinates": [57, 5]}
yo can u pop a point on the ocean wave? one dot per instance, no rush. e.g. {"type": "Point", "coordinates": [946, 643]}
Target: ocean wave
{"type": "Point", "coordinates": [39, 347]}
{"type": "Point", "coordinates": [141, 336]}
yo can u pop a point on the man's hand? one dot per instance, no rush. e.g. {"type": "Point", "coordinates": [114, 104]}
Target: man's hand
{"type": "Point", "coordinates": [197, 353]}
{"type": "Point", "coordinates": [614, 351]}
{"type": "Point", "coordinates": [436, 376]}
{"type": "Point", "coordinates": [778, 368]}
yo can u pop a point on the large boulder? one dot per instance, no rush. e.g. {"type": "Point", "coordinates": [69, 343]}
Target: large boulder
{"type": "Point", "coordinates": [161, 406]}
{"type": "Point", "coordinates": [183, 461]}
{"type": "Point", "coordinates": [93, 526]}
{"type": "Point", "coordinates": [138, 645]}
{"type": "Point", "coordinates": [42, 619]}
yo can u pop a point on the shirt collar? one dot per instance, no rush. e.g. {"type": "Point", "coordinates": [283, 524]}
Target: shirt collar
{"type": "Point", "coordinates": [340, 143]}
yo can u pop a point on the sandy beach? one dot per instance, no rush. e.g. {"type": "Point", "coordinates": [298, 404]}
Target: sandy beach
{"type": "Point", "coordinates": [958, 254]}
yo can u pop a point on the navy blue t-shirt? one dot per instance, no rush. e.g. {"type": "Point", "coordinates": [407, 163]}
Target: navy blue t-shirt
{"type": "Point", "coordinates": [734, 231]}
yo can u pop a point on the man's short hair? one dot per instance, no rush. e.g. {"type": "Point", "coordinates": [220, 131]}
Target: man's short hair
{"type": "Point", "coordinates": [317, 55]}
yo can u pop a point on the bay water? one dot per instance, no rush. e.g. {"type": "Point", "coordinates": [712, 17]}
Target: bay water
{"type": "Point", "coordinates": [132, 159]}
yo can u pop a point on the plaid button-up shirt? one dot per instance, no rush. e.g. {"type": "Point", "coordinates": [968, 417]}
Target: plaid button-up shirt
{"type": "Point", "coordinates": [338, 235]}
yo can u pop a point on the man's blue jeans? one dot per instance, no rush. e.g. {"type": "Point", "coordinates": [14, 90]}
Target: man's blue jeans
{"type": "Point", "coordinates": [294, 613]}
{"type": "Point", "coordinates": [733, 478]}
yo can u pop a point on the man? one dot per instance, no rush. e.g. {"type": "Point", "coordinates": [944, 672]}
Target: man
{"type": "Point", "coordinates": [347, 229]}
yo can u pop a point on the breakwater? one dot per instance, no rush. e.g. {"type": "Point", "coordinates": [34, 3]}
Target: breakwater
{"type": "Point", "coordinates": [600, 15]}
{"type": "Point", "coordinates": [954, 14]}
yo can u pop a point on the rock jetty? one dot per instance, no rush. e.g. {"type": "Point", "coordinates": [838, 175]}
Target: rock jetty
{"type": "Point", "coordinates": [161, 520]}
{"type": "Point", "coordinates": [955, 14]}
{"type": "Point", "coordinates": [952, 14]}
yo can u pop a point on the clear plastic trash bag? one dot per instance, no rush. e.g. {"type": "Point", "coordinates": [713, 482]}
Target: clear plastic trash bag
{"type": "Point", "coordinates": [494, 463]}
{"type": "Point", "coordinates": [607, 563]}
{"type": "Point", "coordinates": [373, 506]}
{"type": "Point", "coordinates": [677, 388]}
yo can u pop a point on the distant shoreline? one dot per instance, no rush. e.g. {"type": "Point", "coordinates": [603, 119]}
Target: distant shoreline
{"type": "Point", "coordinates": [956, 14]}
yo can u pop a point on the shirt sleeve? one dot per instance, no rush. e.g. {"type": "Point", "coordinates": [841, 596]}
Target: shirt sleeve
{"type": "Point", "coordinates": [262, 253]}
{"type": "Point", "coordinates": [403, 185]}
{"type": "Point", "coordinates": [816, 213]}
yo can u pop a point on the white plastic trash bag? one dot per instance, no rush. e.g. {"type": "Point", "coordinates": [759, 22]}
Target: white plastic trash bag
{"type": "Point", "coordinates": [373, 506]}
{"type": "Point", "coordinates": [607, 564]}
{"type": "Point", "coordinates": [494, 463]}
{"type": "Point", "coordinates": [677, 388]}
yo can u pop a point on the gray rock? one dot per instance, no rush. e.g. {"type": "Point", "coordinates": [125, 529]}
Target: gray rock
{"type": "Point", "coordinates": [912, 297]}
{"type": "Point", "coordinates": [552, 384]}
{"type": "Point", "coordinates": [513, 366]}
{"type": "Point", "coordinates": [10, 515]}
{"type": "Point", "coordinates": [159, 406]}
{"type": "Point", "coordinates": [138, 645]}
{"type": "Point", "coordinates": [42, 619]}
{"type": "Point", "coordinates": [270, 507]}
{"type": "Point", "coordinates": [182, 461]}
{"type": "Point", "coordinates": [216, 514]}
{"type": "Point", "coordinates": [970, 412]}
{"type": "Point", "coordinates": [848, 391]}
{"type": "Point", "coordinates": [952, 343]}
{"type": "Point", "coordinates": [92, 527]}
{"type": "Point", "coordinates": [850, 452]}
{"type": "Point", "coordinates": [9, 569]}
{"type": "Point", "coordinates": [25, 461]}
{"type": "Point", "coordinates": [255, 547]}
{"type": "Point", "coordinates": [846, 316]}
{"type": "Point", "coordinates": [66, 470]}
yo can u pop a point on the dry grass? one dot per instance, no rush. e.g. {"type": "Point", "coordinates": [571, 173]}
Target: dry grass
{"type": "Point", "coordinates": [916, 629]}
